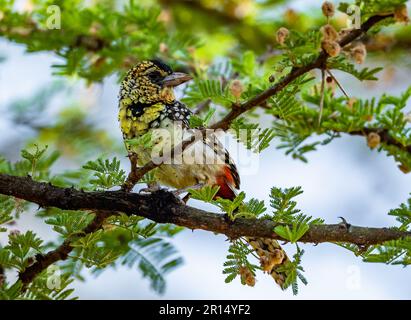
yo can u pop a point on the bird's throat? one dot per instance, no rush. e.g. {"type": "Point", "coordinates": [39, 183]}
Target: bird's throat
{"type": "Point", "coordinates": [167, 95]}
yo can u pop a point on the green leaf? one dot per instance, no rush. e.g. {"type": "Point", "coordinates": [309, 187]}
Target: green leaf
{"type": "Point", "coordinates": [144, 141]}
{"type": "Point", "coordinates": [196, 121]}
{"type": "Point", "coordinates": [341, 63]}
{"type": "Point", "coordinates": [230, 206]}
{"type": "Point", "coordinates": [206, 193]}
{"type": "Point", "coordinates": [107, 173]}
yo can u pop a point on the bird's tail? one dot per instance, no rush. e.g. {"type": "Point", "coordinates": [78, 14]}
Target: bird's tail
{"type": "Point", "coordinates": [272, 258]}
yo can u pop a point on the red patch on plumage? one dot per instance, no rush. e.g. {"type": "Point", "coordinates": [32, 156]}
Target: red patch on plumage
{"type": "Point", "coordinates": [226, 183]}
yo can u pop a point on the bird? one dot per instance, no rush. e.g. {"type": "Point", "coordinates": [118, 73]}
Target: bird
{"type": "Point", "coordinates": [147, 105]}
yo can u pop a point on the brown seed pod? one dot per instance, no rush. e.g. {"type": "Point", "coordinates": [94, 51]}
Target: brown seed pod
{"type": "Point", "coordinates": [359, 53]}
{"type": "Point", "coordinates": [165, 16]}
{"type": "Point", "coordinates": [404, 168]}
{"type": "Point", "coordinates": [328, 9]}
{"type": "Point", "coordinates": [191, 50]}
{"type": "Point", "coordinates": [95, 28]}
{"type": "Point", "coordinates": [236, 89]}
{"type": "Point", "coordinates": [247, 276]}
{"type": "Point", "coordinates": [14, 233]}
{"type": "Point", "coordinates": [282, 35]}
{"type": "Point", "coordinates": [329, 33]}
{"type": "Point", "coordinates": [163, 48]}
{"type": "Point", "coordinates": [271, 259]}
{"type": "Point", "coordinates": [373, 140]}
{"type": "Point", "coordinates": [332, 48]}
{"type": "Point", "coordinates": [401, 14]}
{"type": "Point", "coordinates": [350, 103]}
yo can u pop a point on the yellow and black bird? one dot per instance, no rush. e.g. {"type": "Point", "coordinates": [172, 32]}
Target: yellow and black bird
{"type": "Point", "coordinates": [147, 104]}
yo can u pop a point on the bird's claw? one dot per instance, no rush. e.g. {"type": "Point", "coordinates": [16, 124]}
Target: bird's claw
{"type": "Point", "coordinates": [151, 188]}
{"type": "Point", "coordinates": [344, 224]}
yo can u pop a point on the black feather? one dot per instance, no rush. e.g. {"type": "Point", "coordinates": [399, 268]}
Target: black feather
{"type": "Point", "coordinates": [162, 65]}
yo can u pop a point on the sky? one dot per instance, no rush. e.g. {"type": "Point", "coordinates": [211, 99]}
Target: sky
{"type": "Point", "coordinates": [344, 178]}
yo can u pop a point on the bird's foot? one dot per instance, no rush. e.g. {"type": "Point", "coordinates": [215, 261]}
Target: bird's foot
{"type": "Point", "coordinates": [228, 219]}
{"type": "Point", "coordinates": [344, 224]}
{"type": "Point", "coordinates": [151, 188]}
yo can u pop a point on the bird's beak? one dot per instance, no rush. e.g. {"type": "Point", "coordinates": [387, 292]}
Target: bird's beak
{"type": "Point", "coordinates": [175, 79]}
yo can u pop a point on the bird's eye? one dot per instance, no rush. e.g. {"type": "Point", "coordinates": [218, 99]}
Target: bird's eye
{"type": "Point", "coordinates": [155, 76]}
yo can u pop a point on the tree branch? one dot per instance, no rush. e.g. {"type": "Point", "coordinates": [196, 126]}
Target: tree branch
{"type": "Point", "coordinates": [384, 135]}
{"type": "Point", "coordinates": [164, 207]}
{"type": "Point", "coordinates": [296, 72]}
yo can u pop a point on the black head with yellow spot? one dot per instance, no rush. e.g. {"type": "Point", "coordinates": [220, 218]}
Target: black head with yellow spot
{"type": "Point", "coordinates": [150, 82]}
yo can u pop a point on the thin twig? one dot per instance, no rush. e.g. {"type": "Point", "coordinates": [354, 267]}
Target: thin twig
{"type": "Point", "coordinates": [337, 82]}
{"type": "Point", "coordinates": [296, 72]}
{"type": "Point", "coordinates": [322, 94]}
{"type": "Point", "coordinates": [201, 106]}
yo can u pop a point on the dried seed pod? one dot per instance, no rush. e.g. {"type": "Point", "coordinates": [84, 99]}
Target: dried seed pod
{"type": "Point", "coordinates": [329, 33]}
{"type": "Point", "coordinates": [282, 35]}
{"type": "Point", "coordinates": [404, 168]}
{"type": "Point", "coordinates": [95, 28]}
{"type": "Point", "coordinates": [163, 48]}
{"type": "Point", "coordinates": [332, 48]}
{"type": "Point", "coordinates": [271, 259]}
{"type": "Point", "coordinates": [247, 276]}
{"type": "Point", "coordinates": [191, 50]}
{"type": "Point", "coordinates": [350, 103]}
{"type": "Point", "coordinates": [14, 233]}
{"type": "Point", "coordinates": [359, 53]}
{"type": "Point", "coordinates": [328, 9]}
{"type": "Point", "coordinates": [165, 16]}
{"type": "Point", "coordinates": [236, 89]}
{"type": "Point", "coordinates": [373, 140]}
{"type": "Point", "coordinates": [401, 14]}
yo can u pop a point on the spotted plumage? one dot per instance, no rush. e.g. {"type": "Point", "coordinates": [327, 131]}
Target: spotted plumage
{"type": "Point", "coordinates": [147, 104]}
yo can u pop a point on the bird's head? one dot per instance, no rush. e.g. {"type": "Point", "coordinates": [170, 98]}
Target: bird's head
{"type": "Point", "coordinates": [150, 82]}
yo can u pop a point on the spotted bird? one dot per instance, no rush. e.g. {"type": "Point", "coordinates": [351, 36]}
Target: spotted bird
{"type": "Point", "coordinates": [147, 104]}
